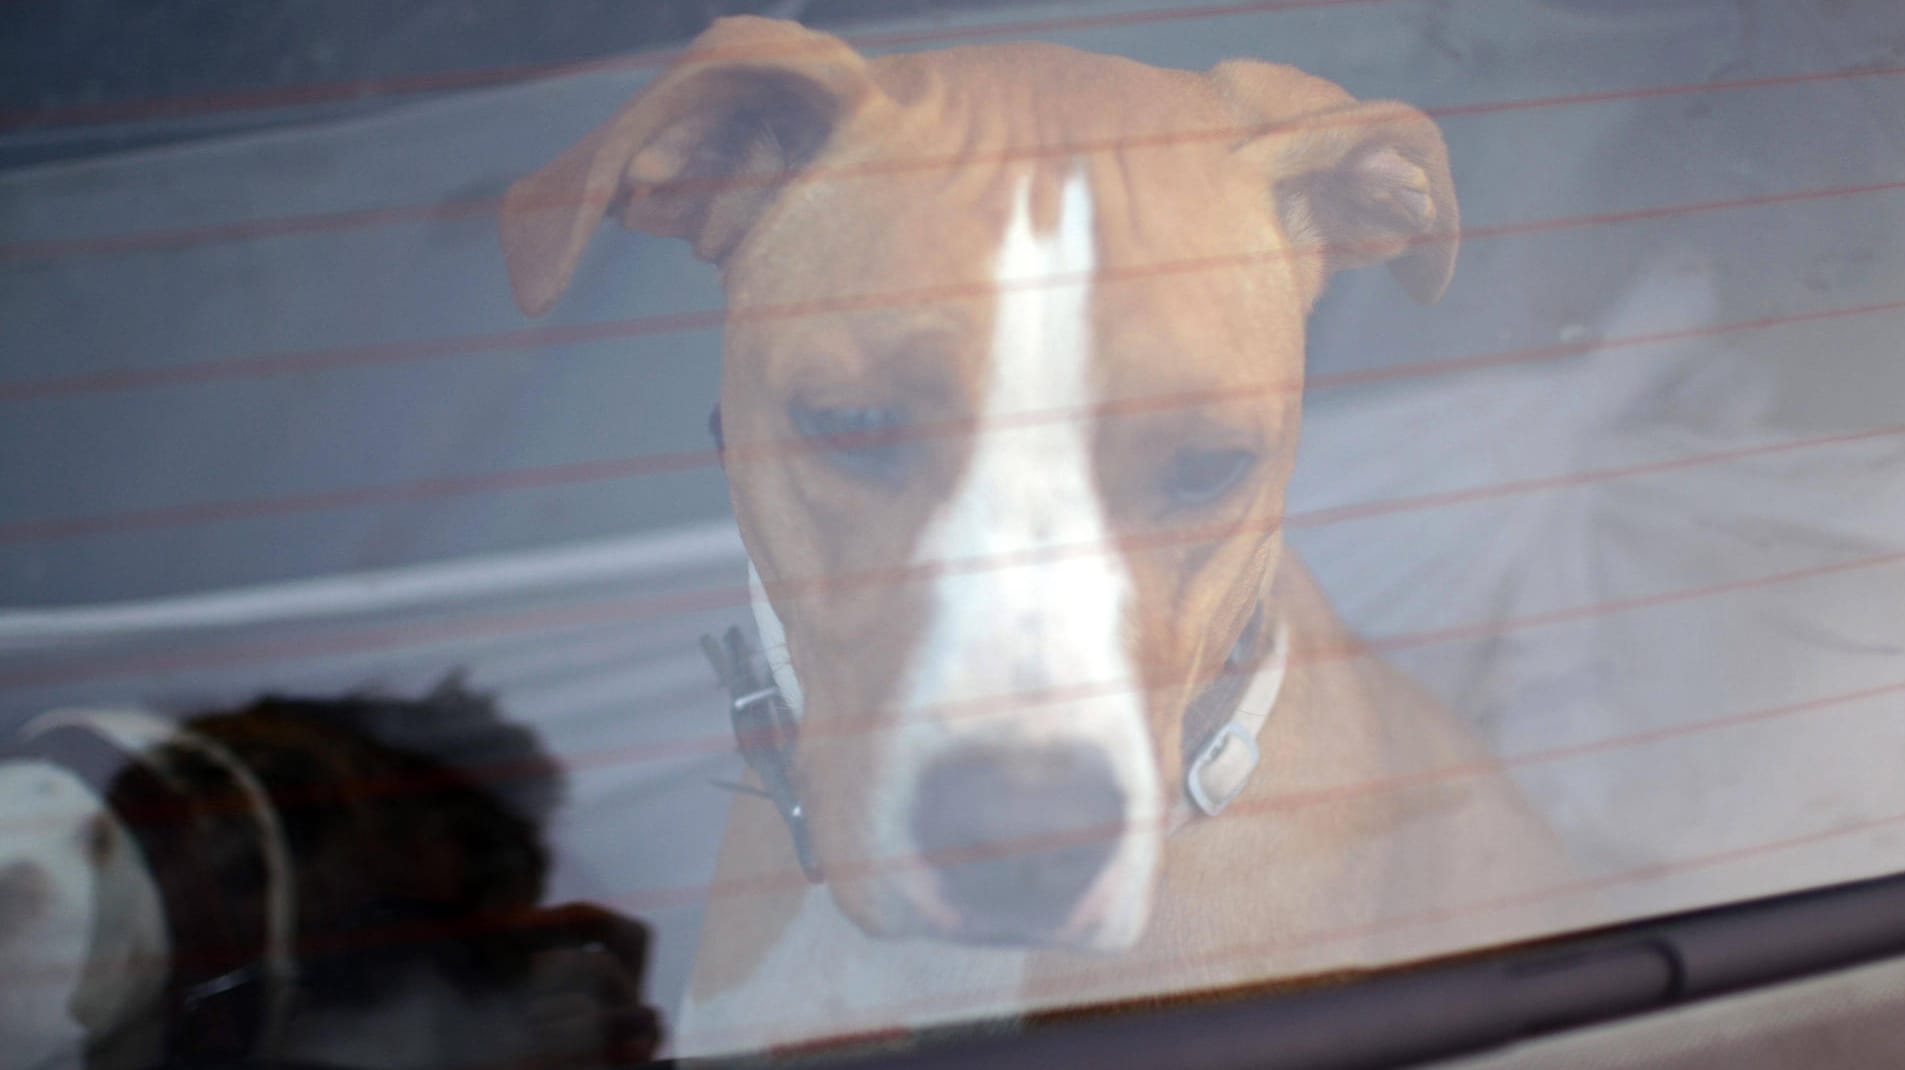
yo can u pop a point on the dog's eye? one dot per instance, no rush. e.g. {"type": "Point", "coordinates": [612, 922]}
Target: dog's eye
{"type": "Point", "coordinates": [1200, 477]}
{"type": "Point", "coordinates": [864, 442]}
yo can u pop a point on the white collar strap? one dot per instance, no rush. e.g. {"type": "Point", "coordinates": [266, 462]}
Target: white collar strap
{"type": "Point", "coordinates": [780, 663]}
{"type": "Point", "coordinates": [1223, 765]}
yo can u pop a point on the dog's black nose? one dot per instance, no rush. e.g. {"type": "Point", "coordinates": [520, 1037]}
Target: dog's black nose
{"type": "Point", "coordinates": [1016, 836]}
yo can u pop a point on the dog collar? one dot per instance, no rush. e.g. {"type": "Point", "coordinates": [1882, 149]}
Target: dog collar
{"type": "Point", "coordinates": [765, 733]}
{"type": "Point", "coordinates": [1229, 715]}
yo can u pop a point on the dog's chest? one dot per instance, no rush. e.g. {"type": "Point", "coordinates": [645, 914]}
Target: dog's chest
{"type": "Point", "coordinates": [825, 978]}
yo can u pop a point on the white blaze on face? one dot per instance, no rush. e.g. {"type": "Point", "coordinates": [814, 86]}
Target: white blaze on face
{"type": "Point", "coordinates": [1026, 640]}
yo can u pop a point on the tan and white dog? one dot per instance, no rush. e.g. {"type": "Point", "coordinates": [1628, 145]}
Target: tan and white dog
{"type": "Point", "coordinates": [1010, 399]}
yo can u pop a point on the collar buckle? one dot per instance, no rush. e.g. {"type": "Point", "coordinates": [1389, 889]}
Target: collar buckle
{"type": "Point", "coordinates": [1222, 768]}
{"type": "Point", "coordinates": [765, 734]}
{"type": "Point", "coordinates": [1222, 765]}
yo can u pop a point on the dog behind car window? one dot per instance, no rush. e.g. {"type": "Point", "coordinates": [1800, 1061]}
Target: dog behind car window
{"type": "Point", "coordinates": [1012, 372]}
{"type": "Point", "coordinates": [348, 881]}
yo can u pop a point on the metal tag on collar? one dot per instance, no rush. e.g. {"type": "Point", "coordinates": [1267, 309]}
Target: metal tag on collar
{"type": "Point", "coordinates": [765, 733]}
{"type": "Point", "coordinates": [1212, 798]}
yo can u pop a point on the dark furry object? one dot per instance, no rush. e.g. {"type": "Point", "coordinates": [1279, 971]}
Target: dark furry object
{"type": "Point", "coordinates": [461, 729]}
{"type": "Point", "coordinates": [414, 834]}
{"type": "Point", "coordinates": [404, 845]}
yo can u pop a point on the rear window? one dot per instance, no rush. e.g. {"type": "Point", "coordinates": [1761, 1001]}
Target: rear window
{"type": "Point", "coordinates": [1065, 671]}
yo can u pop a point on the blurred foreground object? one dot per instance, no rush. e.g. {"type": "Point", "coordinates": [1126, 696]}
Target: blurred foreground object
{"type": "Point", "coordinates": [347, 881]}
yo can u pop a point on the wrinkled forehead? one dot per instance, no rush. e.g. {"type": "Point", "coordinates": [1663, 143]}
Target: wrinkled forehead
{"type": "Point", "coordinates": [898, 229]}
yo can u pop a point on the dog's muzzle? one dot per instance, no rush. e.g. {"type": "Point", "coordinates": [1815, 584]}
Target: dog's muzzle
{"type": "Point", "coordinates": [1016, 837]}
{"type": "Point", "coordinates": [1046, 821]}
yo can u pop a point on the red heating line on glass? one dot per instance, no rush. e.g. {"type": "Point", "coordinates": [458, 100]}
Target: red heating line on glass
{"type": "Point", "coordinates": [850, 725]}
{"type": "Point", "coordinates": [361, 89]}
{"type": "Point", "coordinates": [331, 222]}
{"type": "Point", "coordinates": [708, 319]}
{"type": "Point", "coordinates": [672, 897]}
{"type": "Point", "coordinates": [977, 998]}
{"type": "Point", "coordinates": [519, 622]}
{"type": "Point", "coordinates": [655, 464]}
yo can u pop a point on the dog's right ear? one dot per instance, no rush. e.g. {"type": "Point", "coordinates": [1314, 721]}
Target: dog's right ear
{"type": "Point", "coordinates": [1355, 182]}
{"type": "Point", "coordinates": [699, 155]}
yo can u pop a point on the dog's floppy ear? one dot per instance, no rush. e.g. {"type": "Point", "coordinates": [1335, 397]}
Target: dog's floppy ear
{"type": "Point", "coordinates": [1361, 183]}
{"type": "Point", "coordinates": [697, 155]}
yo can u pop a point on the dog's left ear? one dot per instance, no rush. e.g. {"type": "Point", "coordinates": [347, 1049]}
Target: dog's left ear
{"type": "Point", "coordinates": [1356, 183]}
{"type": "Point", "coordinates": [698, 155]}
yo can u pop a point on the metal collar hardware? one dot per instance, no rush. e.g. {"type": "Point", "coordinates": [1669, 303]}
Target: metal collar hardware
{"type": "Point", "coordinates": [1222, 724]}
{"type": "Point", "coordinates": [765, 732]}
